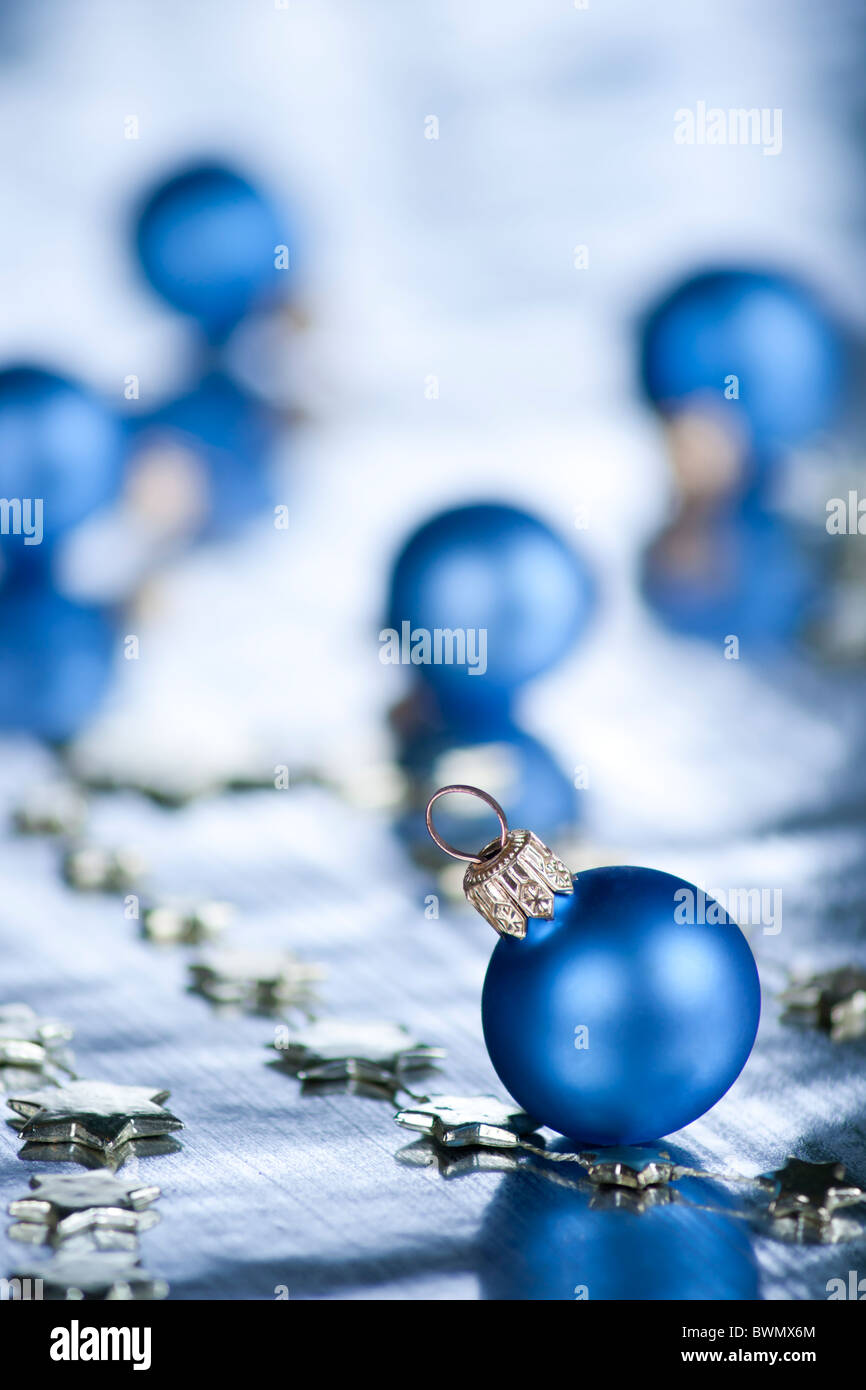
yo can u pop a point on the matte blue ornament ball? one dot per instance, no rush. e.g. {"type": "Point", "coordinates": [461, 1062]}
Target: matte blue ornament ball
{"type": "Point", "coordinates": [207, 241]}
{"type": "Point", "coordinates": [494, 569]}
{"type": "Point", "coordinates": [56, 657]}
{"type": "Point", "coordinates": [232, 435]}
{"type": "Point", "coordinates": [59, 444]}
{"type": "Point", "coordinates": [774, 335]}
{"type": "Point", "coordinates": [620, 1020]}
{"type": "Point", "coordinates": [756, 579]}
{"type": "Point", "coordinates": [529, 780]}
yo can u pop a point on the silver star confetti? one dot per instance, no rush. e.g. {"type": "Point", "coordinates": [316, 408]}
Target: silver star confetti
{"type": "Point", "coordinates": [834, 1000]}
{"type": "Point", "coordinates": [32, 1042]}
{"type": "Point", "coordinates": [185, 923]}
{"type": "Point", "coordinates": [468, 1121]}
{"type": "Point", "coordinates": [97, 1114]}
{"type": "Point", "coordinates": [58, 808]}
{"type": "Point", "coordinates": [629, 1167]}
{"type": "Point", "coordinates": [812, 1192]}
{"type": "Point", "coordinates": [69, 1204]}
{"type": "Point", "coordinates": [263, 980]}
{"type": "Point", "coordinates": [111, 1159]}
{"type": "Point", "coordinates": [104, 1274]}
{"type": "Point", "coordinates": [334, 1049]}
{"type": "Point", "coordinates": [95, 869]}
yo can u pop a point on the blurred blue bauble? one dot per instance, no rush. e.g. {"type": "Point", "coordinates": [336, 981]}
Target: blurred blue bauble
{"type": "Point", "coordinates": [769, 332]}
{"type": "Point", "coordinates": [504, 580]}
{"type": "Point", "coordinates": [575, 1244]}
{"type": "Point", "coordinates": [59, 444]}
{"type": "Point", "coordinates": [231, 436]}
{"type": "Point", "coordinates": [208, 242]}
{"type": "Point", "coordinates": [56, 659]}
{"type": "Point", "coordinates": [519, 770]}
{"type": "Point", "coordinates": [617, 1021]}
{"type": "Point", "coordinates": [751, 577]}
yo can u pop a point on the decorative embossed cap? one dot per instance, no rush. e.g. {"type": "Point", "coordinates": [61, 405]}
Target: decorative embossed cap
{"type": "Point", "coordinates": [513, 878]}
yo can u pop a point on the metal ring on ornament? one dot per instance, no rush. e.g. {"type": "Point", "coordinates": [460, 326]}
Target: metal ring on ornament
{"type": "Point", "coordinates": [482, 796]}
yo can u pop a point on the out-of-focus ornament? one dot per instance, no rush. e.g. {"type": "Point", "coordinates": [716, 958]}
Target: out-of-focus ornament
{"type": "Point", "coordinates": [213, 247]}
{"type": "Point", "coordinates": [483, 598]}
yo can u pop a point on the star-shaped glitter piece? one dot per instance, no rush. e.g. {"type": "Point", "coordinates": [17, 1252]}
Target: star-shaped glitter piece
{"type": "Point", "coordinates": [460, 1122]}
{"type": "Point", "coordinates": [86, 1157]}
{"type": "Point", "coordinates": [95, 869]}
{"type": "Point", "coordinates": [811, 1191]}
{"type": "Point", "coordinates": [73, 1202]}
{"type": "Point", "coordinates": [83, 1242]}
{"type": "Point", "coordinates": [28, 1041]}
{"type": "Point", "coordinates": [57, 808]}
{"type": "Point", "coordinates": [256, 979]}
{"type": "Point", "coordinates": [20, 1021]}
{"type": "Point", "coordinates": [185, 923]}
{"type": "Point", "coordinates": [104, 1274]}
{"type": "Point", "coordinates": [628, 1167]}
{"type": "Point", "coordinates": [834, 1000]}
{"type": "Point", "coordinates": [98, 1114]}
{"type": "Point", "coordinates": [333, 1049]}
{"type": "Point", "coordinates": [458, 1163]}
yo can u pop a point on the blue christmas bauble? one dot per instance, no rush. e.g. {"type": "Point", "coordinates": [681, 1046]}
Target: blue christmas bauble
{"type": "Point", "coordinates": [59, 446]}
{"type": "Point", "coordinates": [231, 435]}
{"type": "Point", "coordinates": [516, 592]}
{"type": "Point", "coordinates": [758, 334]}
{"type": "Point", "coordinates": [628, 1013]}
{"type": "Point", "coordinates": [749, 574]}
{"type": "Point", "coordinates": [209, 244]}
{"type": "Point", "coordinates": [551, 1240]}
{"type": "Point", "coordinates": [520, 769]}
{"type": "Point", "coordinates": [56, 658]}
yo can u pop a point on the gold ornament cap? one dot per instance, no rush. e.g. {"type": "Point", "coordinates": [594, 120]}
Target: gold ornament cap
{"type": "Point", "coordinates": [511, 879]}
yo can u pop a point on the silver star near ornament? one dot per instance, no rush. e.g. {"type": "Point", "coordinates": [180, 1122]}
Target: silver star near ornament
{"type": "Point", "coordinates": [104, 1274]}
{"type": "Point", "coordinates": [71, 1203]}
{"type": "Point", "coordinates": [185, 923]}
{"type": "Point", "coordinates": [811, 1192]}
{"type": "Point", "coordinates": [468, 1121]}
{"type": "Point", "coordinates": [94, 1113]}
{"type": "Point", "coordinates": [628, 1167]}
{"type": "Point", "coordinates": [834, 1000]}
{"type": "Point", "coordinates": [256, 979]}
{"type": "Point", "coordinates": [333, 1049]}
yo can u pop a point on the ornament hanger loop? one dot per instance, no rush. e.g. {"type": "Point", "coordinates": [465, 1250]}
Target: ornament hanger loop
{"type": "Point", "coordinates": [468, 791]}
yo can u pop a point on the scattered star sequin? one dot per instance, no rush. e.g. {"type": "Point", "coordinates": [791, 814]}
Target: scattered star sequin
{"type": "Point", "coordinates": [257, 980]}
{"type": "Point", "coordinates": [95, 869]}
{"type": "Point", "coordinates": [335, 1049]}
{"type": "Point", "coordinates": [834, 1000]}
{"type": "Point", "coordinates": [468, 1121]}
{"type": "Point", "coordinates": [185, 923]}
{"type": "Point", "coordinates": [97, 1114]}
{"type": "Point", "coordinates": [69, 1204]}
{"type": "Point", "coordinates": [812, 1192]}
{"type": "Point", "coordinates": [101, 1274]}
